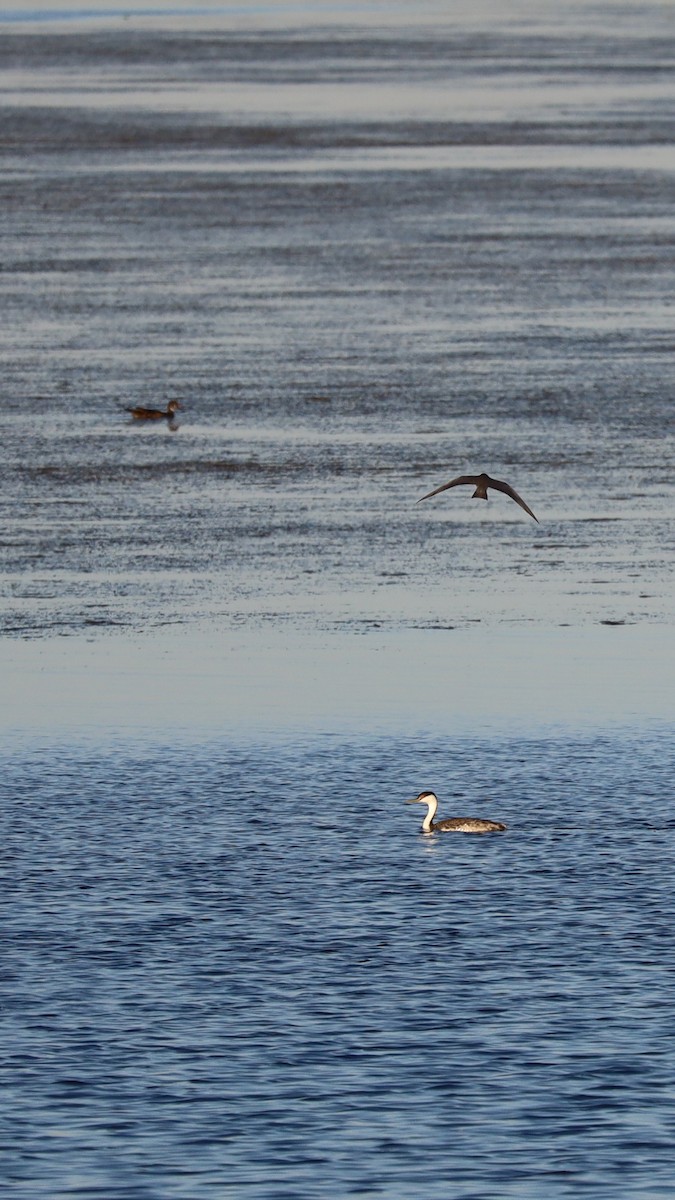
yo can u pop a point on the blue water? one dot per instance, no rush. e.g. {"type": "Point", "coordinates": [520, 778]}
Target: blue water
{"type": "Point", "coordinates": [369, 248]}
{"type": "Point", "coordinates": [245, 972]}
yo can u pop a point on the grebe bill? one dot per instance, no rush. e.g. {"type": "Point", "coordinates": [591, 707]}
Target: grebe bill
{"type": "Point", "coordinates": [452, 824]}
{"type": "Point", "coordinates": [481, 484]}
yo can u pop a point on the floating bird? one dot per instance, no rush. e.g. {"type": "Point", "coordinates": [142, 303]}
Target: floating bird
{"type": "Point", "coordinates": [155, 414]}
{"type": "Point", "coordinates": [481, 484]}
{"type": "Point", "coordinates": [451, 824]}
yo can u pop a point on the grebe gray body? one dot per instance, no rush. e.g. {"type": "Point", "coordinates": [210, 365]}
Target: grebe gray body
{"type": "Point", "coordinates": [452, 824]}
{"type": "Point", "coordinates": [481, 484]}
{"type": "Point", "coordinates": [155, 414]}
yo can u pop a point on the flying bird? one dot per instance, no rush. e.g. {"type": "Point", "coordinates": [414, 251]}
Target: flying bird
{"type": "Point", "coordinates": [452, 824]}
{"type": "Point", "coordinates": [481, 484]}
{"type": "Point", "coordinates": [155, 414]}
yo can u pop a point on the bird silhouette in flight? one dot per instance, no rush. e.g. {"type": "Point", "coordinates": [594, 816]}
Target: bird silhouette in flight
{"type": "Point", "coordinates": [481, 484]}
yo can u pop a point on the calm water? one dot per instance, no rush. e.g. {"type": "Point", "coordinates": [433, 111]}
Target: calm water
{"type": "Point", "coordinates": [369, 248]}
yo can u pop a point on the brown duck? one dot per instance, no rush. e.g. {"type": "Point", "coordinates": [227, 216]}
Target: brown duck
{"type": "Point", "coordinates": [155, 414]}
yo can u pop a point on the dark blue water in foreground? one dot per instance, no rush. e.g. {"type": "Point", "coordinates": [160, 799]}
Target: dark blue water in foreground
{"type": "Point", "coordinates": [235, 971]}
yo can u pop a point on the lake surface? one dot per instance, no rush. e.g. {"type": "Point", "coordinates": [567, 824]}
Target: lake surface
{"type": "Point", "coordinates": [366, 258]}
{"type": "Point", "coordinates": [240, 970]}
{"type": "Point", "coordinates": [368, 248]}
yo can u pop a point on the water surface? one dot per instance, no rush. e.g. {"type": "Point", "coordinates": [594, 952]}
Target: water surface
{"type": "Point", "coordinates": [367, 257]}
{"type": "Point", "coordinates": [244, 972]}
{"type": "Point", "coordinates": [369, 248]}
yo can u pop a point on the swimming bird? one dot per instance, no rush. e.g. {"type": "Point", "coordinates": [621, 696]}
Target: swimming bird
{"type": "Point", "coordinates": [481, 484]}
{"type": "Point", "coordinates": [155, 414]}
{"type": "Point", "coordinates": [451, 824]}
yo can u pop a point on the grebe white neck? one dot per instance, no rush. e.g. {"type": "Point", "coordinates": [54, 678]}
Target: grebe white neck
{"type": "Point", "coordinates": [431, 800]}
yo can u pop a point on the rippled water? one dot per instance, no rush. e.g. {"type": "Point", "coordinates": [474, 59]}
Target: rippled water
{"type": "Point", "coordinates": [244, 972]}
{"type": "Point", "coordinates": [369, 248]}
{"type": "Point", "coordinates": [367, 258]}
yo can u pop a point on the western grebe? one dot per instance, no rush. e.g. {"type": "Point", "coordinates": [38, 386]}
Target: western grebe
{"type": "Point", "coordinates": [451, 824]}
{"type": "Point", "coordinates": [155, 414]}
{"type": "Point", "coordinates": [481, 484]}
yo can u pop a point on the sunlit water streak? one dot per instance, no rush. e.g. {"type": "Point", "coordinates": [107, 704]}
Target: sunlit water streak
{"type": "Point", "coordinates": [355, 298]}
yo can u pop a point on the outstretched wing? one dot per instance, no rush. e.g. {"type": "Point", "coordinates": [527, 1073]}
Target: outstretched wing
{"type": "Point", "coordinates": [472, 479]}
{"type": "Point", "coordinates": [509, 491]}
